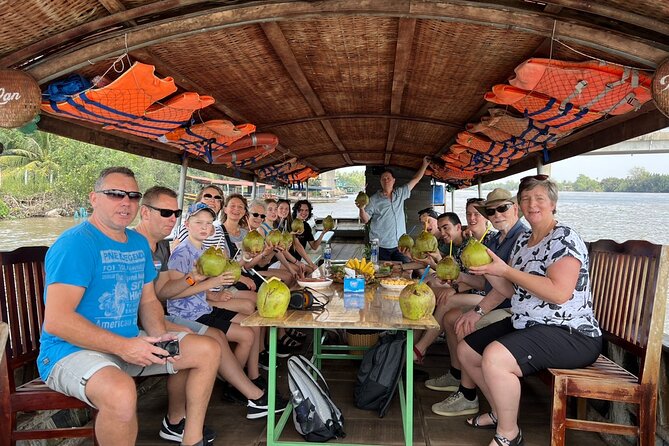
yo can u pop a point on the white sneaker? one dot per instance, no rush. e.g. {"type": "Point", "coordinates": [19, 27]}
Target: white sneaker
{"type": "Point", "coordinates": [456, 405]}
{"type": "Point", "coordinates": [445, 383]}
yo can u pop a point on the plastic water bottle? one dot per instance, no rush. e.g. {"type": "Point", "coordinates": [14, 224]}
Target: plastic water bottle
{"type": "Point", "coordinates": [327, 260]}
{"type": "Point", "coordinates": [374, 252]}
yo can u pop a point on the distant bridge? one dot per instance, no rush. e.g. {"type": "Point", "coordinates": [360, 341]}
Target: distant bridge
{"type": "Point", "coordinates": [652, 143]}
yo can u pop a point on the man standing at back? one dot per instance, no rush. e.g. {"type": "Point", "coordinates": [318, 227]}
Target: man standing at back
{"type": "Point", "coordinates": [386, 212]}
{"type": "Point", "coordinates": [98, 285]}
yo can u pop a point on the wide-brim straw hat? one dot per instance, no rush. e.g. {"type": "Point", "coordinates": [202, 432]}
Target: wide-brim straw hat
{"type": "Point", "coordinates": [494, 199]}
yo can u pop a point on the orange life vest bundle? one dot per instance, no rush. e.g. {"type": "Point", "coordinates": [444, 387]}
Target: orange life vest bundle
{"type": "Point", "coordinates": [160, 119]}
{"type": "Point", "coordinates": [501, 126]}
{"type": "Point", "coordinates": [513, 148]}
{"type": "Point", "coordinates": [207, 138]}
{"type": "Point", "coordinates": [591, 85]}
{"type": "Point", "coordinates": [124, 100]}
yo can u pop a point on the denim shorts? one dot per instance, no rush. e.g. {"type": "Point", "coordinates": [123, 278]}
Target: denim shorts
{"type": "Point", "coordinates": [71, 374]}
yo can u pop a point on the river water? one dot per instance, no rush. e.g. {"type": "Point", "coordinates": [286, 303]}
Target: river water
{"type": "Point", "coordinates": [594, 215]}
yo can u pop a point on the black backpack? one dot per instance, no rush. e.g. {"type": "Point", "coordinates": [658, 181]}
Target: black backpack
{"type": "Point", "coordinates": [380, 372]}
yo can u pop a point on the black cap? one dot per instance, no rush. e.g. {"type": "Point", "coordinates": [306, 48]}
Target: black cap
{"type": "Point", "coordinates": [429, 211]}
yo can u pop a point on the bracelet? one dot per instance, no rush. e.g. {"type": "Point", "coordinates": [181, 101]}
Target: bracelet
{"type": "Point", "coordinates": [189, 280]}
{"type": "Point", "coordinates": [478, 310]}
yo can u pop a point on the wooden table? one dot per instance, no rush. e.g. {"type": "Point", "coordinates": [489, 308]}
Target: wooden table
{"type": "Point", "coordinates": [378, 309]}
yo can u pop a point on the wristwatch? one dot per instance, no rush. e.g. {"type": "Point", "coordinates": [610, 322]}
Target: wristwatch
{"type": "Point", "coordinates": [189, 280]}
{"type": "Point", "coordinates": [478, 310]}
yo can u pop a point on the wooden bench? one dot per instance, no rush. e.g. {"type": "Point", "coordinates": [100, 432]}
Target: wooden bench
{"type": "Point", "coordinates": [22, 309]}
{"type": "Point", "coordinates": [629, 289]}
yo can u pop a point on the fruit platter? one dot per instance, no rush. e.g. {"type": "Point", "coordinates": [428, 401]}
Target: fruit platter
{"type": "Point", "coordinates": [395, 283]}
{"type": "Point", "coordinates": [358, 267]}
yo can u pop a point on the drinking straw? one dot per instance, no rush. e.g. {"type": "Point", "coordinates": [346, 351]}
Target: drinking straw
{"type": "Point", "coordinates": [256, 273]}
{"type": "Point", "coordinates": [424, 275]}
{"type": "Point", "coordinates": [450, 248]}
{"type": "Point", "coordinates": [484, 234]}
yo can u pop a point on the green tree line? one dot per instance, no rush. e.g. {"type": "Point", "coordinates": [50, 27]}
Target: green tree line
{"type": "Point", "coordinates": [638, 180]}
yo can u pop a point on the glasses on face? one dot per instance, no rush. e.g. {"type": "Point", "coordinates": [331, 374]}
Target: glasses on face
{"type": "Point", "coordinates": [501, 209]}
{"type": "Point", "coordinates": [540, 177]}
{"type": "Point", "coordinates": [166, 213]}
{"type": "Point", "coordinates": [256, 215]}
{"type": "Point", "coordinates": [118, 194]}
{"type": "Point", "coordinates": [210, 196]}
{"type": "Point", "coordinates": [474, 200]}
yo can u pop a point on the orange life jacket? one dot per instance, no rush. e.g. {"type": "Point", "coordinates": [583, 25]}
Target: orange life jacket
{"type": "Point", "coordinates": [591, 85]}
{"type": "Point", "coordinates": [160, 119]}
{"type": "Point", "coordinates": [542, 108]}
{"type": "Point", "coordinates": [123, 101]}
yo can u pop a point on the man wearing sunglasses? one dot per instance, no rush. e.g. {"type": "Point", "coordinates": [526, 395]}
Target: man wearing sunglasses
{"type": "Point", "coordinates": [501, 208]}
{"type": "Point", "coordinates": [99, 284]}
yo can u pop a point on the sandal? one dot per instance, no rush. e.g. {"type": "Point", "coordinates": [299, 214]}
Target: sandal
{"type": "Point", "coordinates": [501, 440]}
{"type": "Point", "coordinates": [475, 422]}
{"type": "Point", "coordinates": [296, 334]}
{"type": "Point", "coordinates": [418, 357]}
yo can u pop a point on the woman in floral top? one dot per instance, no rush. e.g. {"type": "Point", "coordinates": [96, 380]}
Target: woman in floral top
{"type": "Point", "coordinates": [552, 323]}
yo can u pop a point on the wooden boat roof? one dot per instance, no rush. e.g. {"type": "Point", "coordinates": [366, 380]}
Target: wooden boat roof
{"type": "Point", "coordinates": [340, 82]}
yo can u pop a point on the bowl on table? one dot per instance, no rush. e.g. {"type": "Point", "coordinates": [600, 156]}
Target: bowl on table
{"type": "Point", "coordinates": [314, 282]}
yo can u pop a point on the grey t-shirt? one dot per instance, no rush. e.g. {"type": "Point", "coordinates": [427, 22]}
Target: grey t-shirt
{"type": "Point", "coordinates": [388, 220]}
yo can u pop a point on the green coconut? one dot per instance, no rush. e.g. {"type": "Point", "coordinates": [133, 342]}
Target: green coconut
{"type": "Point", "coordinates": [253, 243]}
{"type": "Point", "coordinates": [274, 238]}
{"type": "Point", "coordinates": [297, 226]}
{"type": "Point", "coordinates": [405, 242]}
{"type": "Point", "coordinates": [362, 199]}
{"type": "Point", "coordinates": [417, 253]}
{"type": "Point", "coordinates": [328, 223]}
{"type": "Point", "coordinates": [212, 262]}
{"type": "Point", "coordinates": [426, 242]}
{"type": "Point", "coordinates": [475, 254]}
{"type": "Point", "coordinates": [287, 240]}
{"type": "Point", "coordinates": [448, 269]}
{"type": "Point", "coordinates": [273, 298]}
{"type": "Point", "coordinates": [231, 266]}
{"type": "Point", "coordinates": [417, 301]}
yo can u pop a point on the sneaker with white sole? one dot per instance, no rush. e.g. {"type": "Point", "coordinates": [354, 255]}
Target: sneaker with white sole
{"type": "Point", "coordinates": [175, 432]}
{"type": "Point", "coordinates": [258, 408]}
{"type": "Point", "coordinates": [456, 405]}
{"type": "Point", "coordinates": [445, 383]}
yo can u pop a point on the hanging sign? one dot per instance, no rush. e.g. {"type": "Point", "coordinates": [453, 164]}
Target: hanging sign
{"type": "Point", "coordinates": [660, 87]}
{"type": "Point", "coordinates": [20, 98]}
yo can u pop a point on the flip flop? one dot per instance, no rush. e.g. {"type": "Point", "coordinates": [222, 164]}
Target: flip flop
{"type": "Point", "coordinates": [474, 422]}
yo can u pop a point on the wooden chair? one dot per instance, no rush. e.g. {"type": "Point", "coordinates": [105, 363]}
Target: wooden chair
{"type": "Point", "coordinates": [629, 288]}
{"type": "Point", "coordinates": [22, 310]}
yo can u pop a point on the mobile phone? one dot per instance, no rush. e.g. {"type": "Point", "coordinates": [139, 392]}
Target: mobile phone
{"type": "Point", "coordinates": [171, 346]}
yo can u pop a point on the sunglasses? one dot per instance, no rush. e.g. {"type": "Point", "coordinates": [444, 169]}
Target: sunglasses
{"type": "Point", "coordinates": [256, 215]}
{"type": "Point", "coordinates": [215, 197]}
{"type": "Point", "coordinates": [540, 177]}
{"type": "Point", "coordinates": [166, 213]}
{"type": "Point", "coordinates": [474, 200]}
{"type": "Point", "coordinates": [501, 209]}
{"type": "Point", "coordinates": [118, 194]}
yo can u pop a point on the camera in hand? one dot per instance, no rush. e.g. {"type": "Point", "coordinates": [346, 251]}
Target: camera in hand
{"type": "Point", "coordinates": [171, 346]}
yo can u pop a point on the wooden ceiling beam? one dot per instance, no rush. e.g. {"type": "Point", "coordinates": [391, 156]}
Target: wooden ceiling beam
{"type": "Point", "coordinates": [634, 48]}
{"type": "Point", "coordinates": [363, 116]}
{"type": "Point", "coordinates": [77, 33]}
{"type": "Point", "coordinates": [278, 41]}
{"type": "Point", "coordinates": [406, 29]}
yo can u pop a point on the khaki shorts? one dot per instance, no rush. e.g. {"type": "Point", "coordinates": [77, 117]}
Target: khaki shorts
{"type": "Point", "coordinates": [71, 374]}
{"type": "Point", "coordinates": [492, 317]}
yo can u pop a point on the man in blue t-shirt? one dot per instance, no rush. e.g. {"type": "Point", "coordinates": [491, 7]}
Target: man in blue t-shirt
{"type": "Point", "coordinates": [386, 212]}
{"type": "Point", "coordinates": [99, 283]}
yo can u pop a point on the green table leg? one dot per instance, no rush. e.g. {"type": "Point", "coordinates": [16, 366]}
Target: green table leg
{"type": "Point", "coordinates": [318, 350]}
{"type": "Point", "coordinates": [271, 387]}
{"type": "Point", "coordinates": [408, 415]}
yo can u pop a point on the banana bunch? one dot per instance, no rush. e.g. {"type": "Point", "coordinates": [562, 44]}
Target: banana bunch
{"type": "Point", "coordinates": [362, 267]}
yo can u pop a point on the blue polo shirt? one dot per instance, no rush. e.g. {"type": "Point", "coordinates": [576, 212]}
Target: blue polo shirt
{"type": "Point", "coordinates": [502, 249]}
